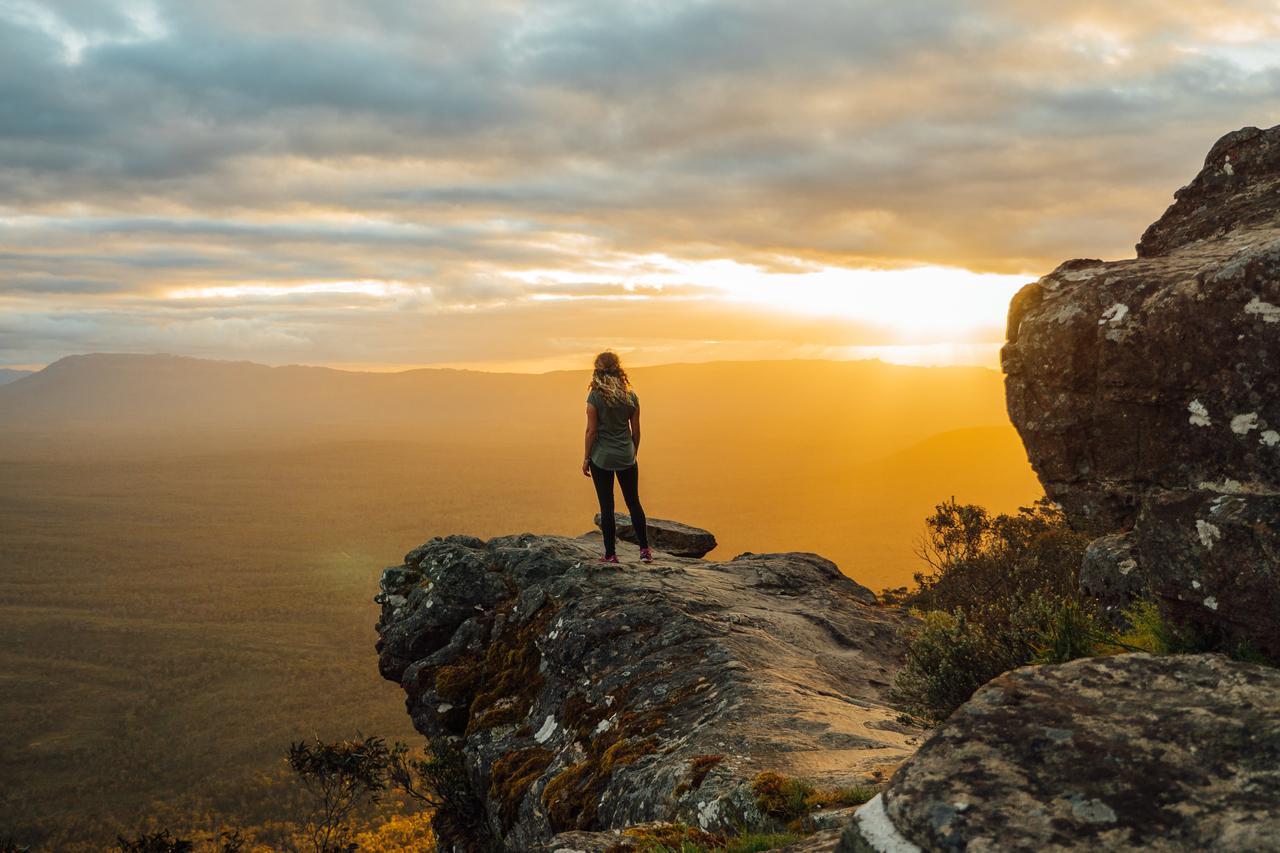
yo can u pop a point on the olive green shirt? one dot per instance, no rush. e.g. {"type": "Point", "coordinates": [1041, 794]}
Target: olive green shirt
{"type": "Point", "coordinates": [613, 449]}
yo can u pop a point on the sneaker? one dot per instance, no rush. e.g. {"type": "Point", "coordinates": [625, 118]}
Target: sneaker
{"type": "Point", "coordinates": [609, 558]}
{"type": "Point", "coordinates": [646, 556]}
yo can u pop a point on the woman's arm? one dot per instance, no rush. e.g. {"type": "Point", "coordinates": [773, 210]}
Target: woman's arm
{"type": "Point", "coordinates": [634, 422]}
{"type": "Point", "coordinates": [592, 428]}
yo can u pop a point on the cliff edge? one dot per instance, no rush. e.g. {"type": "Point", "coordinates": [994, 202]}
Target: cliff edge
{"type": "Point", "coordinates": [583, 696]}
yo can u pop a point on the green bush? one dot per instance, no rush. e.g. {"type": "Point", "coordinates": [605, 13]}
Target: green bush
{"type": "Point", "coordinates": [1149, 631]}
{"type": "Point", "coordinates": [1002, 591]}
{"type": "Point", "coordinates": [747, 842]}
{"type": "Point", "coordinates": [948, 658]}
{"type": "Point", "coordinates": [989, 565]}
{"type": "Point", "coordinates": [1072, 631]}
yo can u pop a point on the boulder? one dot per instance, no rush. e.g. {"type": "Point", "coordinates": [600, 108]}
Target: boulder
{"type": "Point", "coordinates": [1131, 752]}
{"type": "Point", "coordinates": [1147, 393]}
{"type": "Point", "coordinates": [1109, 574]}
{"type": "Point", "coordinates": [581, 697]}
{"type": "Point", "coordinates": [673, 537]}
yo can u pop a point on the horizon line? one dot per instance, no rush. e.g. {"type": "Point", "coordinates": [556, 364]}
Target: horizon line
{"type": "Point", "coordinates": [475, 367]}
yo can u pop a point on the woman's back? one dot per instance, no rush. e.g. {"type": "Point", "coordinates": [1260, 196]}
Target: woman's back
{"type": "Point", "coordinates": [613, 448]}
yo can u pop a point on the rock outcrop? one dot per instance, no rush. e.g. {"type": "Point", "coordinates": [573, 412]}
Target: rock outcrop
{"type": "Point", "coordinates": [583, 696]}
{"type": "Point", "coordinates": [1147, 392]}
{"type": "Point", "coordinates": [682, 540]}
{"type": "Point", "coordinates": [1131, 752]}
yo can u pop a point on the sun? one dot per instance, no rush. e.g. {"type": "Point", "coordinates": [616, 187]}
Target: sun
{"type": "Point", "coordinates": [916, 303]}
{"type": "Point", "coordinates": [920, 304]}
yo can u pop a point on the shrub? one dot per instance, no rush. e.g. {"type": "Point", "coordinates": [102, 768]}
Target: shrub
{"type": "Point", "coordinates": [1000, 592]}
{"type": "Point", "coordinates": [746, 842]}
{"type": "Point", "coordinates": [440, 780]}
{"type": "Point", "coordinates": [984, 564]}
{"type": "Point", "coordinates": [781, 797]}
{"type": "Point", "coordinates": [948, 658]}
{"type": "Point", "coordinates": [340, 777]}
{"type": "Point", "coordinates": [1073, 631]}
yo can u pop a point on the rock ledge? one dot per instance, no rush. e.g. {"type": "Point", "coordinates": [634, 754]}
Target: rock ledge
{"type": "Point", "coordinates": [586, 697]}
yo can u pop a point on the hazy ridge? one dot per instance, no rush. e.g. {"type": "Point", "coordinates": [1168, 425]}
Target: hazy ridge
{"type": "Point", "coordinates": [9, 374]}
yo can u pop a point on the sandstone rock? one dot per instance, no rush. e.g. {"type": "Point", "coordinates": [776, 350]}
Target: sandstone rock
{"type": "Point", "coordinates": [588, 697]}
{"type": "Point", "coordinates": [672, 537]}
{"type": "Point", "coordinates": [1132, 752]}
{"type": "Point", "coordinates": [1154, 382]}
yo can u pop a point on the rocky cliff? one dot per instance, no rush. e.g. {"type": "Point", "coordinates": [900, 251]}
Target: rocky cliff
{"type": "Point", "coordinates": [584, 696]}
{"type": "Point", "coordinates": [1147, 392]}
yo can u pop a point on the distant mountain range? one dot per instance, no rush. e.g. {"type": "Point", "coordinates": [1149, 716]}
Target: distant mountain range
{"type": "Point", "coordinates": [837, 411]}
{"type": "Point", "coordinates": [8, 374]}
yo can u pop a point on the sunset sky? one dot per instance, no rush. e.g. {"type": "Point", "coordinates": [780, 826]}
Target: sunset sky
{"type": "Point", "coordinates": [516, 184]}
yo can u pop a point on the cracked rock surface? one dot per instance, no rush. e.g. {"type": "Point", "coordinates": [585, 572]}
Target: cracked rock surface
{"type": "Point", "coordinates": [587, 697]}
{"type": "Point", "coordinates": [1131, 752]}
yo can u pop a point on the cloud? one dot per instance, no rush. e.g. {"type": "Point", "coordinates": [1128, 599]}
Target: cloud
{"type": "Point", "coordinates": [149, 147]}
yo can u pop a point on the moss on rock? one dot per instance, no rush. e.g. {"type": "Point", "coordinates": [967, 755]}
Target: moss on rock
{"type": "Point", "coordinates": [511, 776]}
{"type": "Point", "coordinates": [700, 766]}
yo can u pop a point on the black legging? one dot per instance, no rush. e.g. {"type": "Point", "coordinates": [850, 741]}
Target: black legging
{"type": "Point", "coordinates": [629, 480]}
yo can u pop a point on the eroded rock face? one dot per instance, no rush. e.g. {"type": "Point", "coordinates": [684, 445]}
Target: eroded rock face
{"type": "Point", "coordinates": [673, 537]}
{"type": "Point", "coordinates": [1131, 752]}
{"type": "Point", "coordinates": [588, 697]}
{"type": "Point", "coordinates": [1147, 393]}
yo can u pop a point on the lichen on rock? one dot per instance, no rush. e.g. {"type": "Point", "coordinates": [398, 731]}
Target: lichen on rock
{"type": "Point", "coordinates": [1130, 752]}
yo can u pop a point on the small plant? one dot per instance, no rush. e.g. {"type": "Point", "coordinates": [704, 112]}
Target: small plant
{"type": "Point", "coordinates": [781, 797]}
{"type": "Point", "coordinates": [340, 777]}
{"type": "Point", "coordinates": [440, 780]}
{"type": "Point", "coordinates": [154, 842]}
{"type": "Point", "coordinates": [700, 766]}
{"type": "Point", "coordinates": [1072, 633]}
{"type": "Point", "coordinates": [747, 842]}
{"type": "Point", "coordinates": [853, 796]}
{"type": "Point", "coordinates": [1151, 631]}
{"type": "Point", "coordinates": [949, 657]}
{"type": "Point", "coordinates": [757, 842]}
{"type": "Point", "coordinates": [231, 841]}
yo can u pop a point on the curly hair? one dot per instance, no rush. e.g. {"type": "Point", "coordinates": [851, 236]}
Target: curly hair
{"type": "Point", "coordinates": [611, 380]}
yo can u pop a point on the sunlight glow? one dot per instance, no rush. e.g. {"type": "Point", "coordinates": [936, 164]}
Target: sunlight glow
{"type": "Point", "coordinates": [915, 302]}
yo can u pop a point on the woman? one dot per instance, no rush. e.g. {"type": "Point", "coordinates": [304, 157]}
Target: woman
{"type": "Point", "coordinates": [613, 437]}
